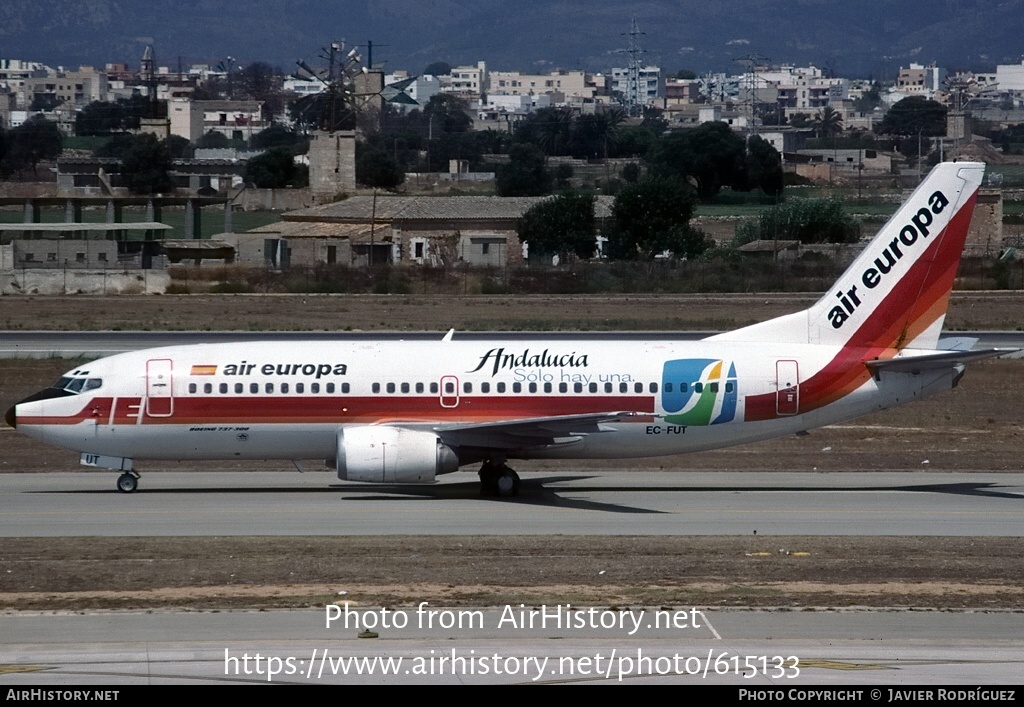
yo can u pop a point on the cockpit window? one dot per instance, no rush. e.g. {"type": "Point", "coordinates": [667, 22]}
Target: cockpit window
{"type": "Point", "coordinates": [77, 385]}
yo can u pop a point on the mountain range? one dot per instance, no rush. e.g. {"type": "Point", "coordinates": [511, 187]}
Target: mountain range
{"type": "Point", "coordinates": [851, 38]}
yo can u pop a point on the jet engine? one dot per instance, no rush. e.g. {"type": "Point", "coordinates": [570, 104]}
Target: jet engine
{"type": "Point", "coordinates": [384, 454]}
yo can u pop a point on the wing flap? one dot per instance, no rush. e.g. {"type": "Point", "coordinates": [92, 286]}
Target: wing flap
{"type": "Point", "coordinates": [530, 432]}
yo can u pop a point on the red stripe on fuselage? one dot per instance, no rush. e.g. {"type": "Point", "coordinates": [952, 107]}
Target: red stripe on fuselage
{"type": "Point", "coordinates": [228, 409]}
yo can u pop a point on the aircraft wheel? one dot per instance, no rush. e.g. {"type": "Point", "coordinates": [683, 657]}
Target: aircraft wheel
{"type": "Point", "coordinates": [127, 483]}
{"type": "Point", "coordinates": [507, 484]}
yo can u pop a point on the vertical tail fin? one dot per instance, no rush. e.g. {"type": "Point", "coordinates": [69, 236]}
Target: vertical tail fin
{"type": "Point", "coordinates": [895, 293]}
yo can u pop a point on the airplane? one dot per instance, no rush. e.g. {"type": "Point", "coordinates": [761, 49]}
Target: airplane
{"type": "Point", "coordinates": [389, 411]}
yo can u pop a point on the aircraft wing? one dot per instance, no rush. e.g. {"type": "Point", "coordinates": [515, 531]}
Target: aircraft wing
{"type": "Point", "coordinates": [529, 432]}
{"type": "Point", "coordinates": [931, 361]}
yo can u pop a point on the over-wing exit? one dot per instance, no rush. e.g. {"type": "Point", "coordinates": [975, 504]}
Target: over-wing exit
{"type": "Point", "coordinates": [405, 412]}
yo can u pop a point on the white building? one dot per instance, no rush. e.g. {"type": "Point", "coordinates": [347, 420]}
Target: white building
{"type": "Point", "coordinates": [469, 82]}
{"type": "Point", "coordinates": [303, 86]}
{"type": "Point", "coordinates": [421, 90]}
{"type": "Point", "coordinates": [1010, 77]}
{"type": "Point", "coordinates": [236, 120]}
{"type": "Point", "coordinates": [647, 88]}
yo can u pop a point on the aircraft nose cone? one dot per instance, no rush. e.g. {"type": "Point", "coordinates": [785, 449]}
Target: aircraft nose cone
{"type": "Point", "coordinates": [10, 417]}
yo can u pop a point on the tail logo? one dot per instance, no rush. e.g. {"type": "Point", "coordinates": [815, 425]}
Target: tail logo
{"type": "Point", "coordinates": [694, 391]}
{"type": "Point", "coordinates": [872, 277]}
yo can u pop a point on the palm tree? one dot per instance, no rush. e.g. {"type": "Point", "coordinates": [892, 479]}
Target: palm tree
{"type": "Point", "coordinates": [828, 122]}
{"type": "Point", "coordinates": [554, 128]}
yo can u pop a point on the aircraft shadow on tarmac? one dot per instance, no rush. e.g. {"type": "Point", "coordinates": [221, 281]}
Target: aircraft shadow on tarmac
{"type": "Point", "coordinates": [536, 492]}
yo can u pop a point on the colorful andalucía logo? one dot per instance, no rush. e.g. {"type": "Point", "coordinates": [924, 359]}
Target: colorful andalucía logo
{"type": "Point", "coordinates": [694, 391]}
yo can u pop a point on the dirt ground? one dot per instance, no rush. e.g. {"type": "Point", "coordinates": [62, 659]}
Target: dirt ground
{"type": "Point", "coordinates": [216, 573]}
{"type": "Point", "coordinates": [968, 310]}
{"type": "Point", "coordinates": [978, 426]}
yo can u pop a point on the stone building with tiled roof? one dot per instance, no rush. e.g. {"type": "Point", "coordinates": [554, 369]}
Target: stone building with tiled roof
{"type": "Point", "coordinates": [480, 230]}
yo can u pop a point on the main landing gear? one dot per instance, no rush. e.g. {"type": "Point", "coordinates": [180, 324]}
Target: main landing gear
{"type": "Point", "coordinates": [496, 479]}
{"type": "Point", "coordinates": [128, 482]}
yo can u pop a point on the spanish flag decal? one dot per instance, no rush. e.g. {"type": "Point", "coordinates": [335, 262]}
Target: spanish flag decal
{"type": "Point", "coordinates": [204, 370]}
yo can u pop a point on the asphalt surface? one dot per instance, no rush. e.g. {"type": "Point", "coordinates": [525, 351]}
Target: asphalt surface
{"type": "Point", "coordinates": [874, 649]}
{"type": "Point", "coordinates": [619, 503]}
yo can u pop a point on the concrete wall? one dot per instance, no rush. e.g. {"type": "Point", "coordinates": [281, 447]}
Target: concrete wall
{"type": "Point", "coordinates": [86, 282]}
{"type": "Point", "coordinates": [51, 253]}
{"type": "Point", "coordinates": [273, 199]}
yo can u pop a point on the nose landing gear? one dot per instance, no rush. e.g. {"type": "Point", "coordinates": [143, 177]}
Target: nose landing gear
{"type": "Point", "coordinates": [128, 482]}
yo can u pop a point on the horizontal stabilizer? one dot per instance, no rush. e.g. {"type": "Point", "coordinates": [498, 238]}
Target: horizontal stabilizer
{"type": "Point", "coordinates": [957, 343]}
{"type": "Point", "coordinates": [931, 362]}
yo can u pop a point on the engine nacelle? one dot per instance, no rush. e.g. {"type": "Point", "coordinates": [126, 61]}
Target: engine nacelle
{"type": "Point", "coordinates": [384, 454]}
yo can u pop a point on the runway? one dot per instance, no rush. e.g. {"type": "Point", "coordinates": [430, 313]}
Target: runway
{"type": "Point", "coordinates": [776, 651]}
{"type": "Point", "coordinates": [577, 503]}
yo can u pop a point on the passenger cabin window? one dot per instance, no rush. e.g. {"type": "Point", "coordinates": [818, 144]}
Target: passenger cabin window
{"type": "Point", "coordinates": [254, 388]}
{"type": "Point", "coordinates": [698, 387]}
{"type": "Point", "coordinates": [300, 388]}
{"type": "Point", "coordinates": [577, 387]}
{"type": "Point", "coordinates": [517, 387]}
{"type": "Point", "coordinates": [485, 387]}
{"type": "Point", "coordinates": [330, 388]}
{"type": "Point", "coordinates": [714, 387]}
{"type": "Point", "coordinates": [623, 387]}
{"type": "Point", "coordinates": [269, 388]}
{"type": "Point", "coordinates": [433, 388]}
{"type": "Point", "coordinates": [563, 387]}
{"type": "Point", "coordinates": [344, 387]}
{"type": "Point", "coordinates": [547, 387]}
{"type": "Point", "coordinates": [191, 387]}
{"type": "Point", "coordinates": [449, 388]}
{"type": "Point", "coordinates": [405, 387]}
{"type": "Point", "coordinates": [607, 387]}
{"type": "Point", "coordinates": [638, 387]}
{"type": "Point", "coordinates": [654, 387]}
{"type": "Point", "coordinates": [419, 387]}
{"type": "Point", "coordinates": [533, 387]}
{"type": "Point", "coordinates": [390, 387]}
{"type": "Point", "coordinates": [314, 388]}
{"type": "Point", "coordinates": [593, 387]}
{"type": "Point", "coordinates": [501, 387]}
{"type": "Point", "coordinates": [375, 388]}
{"type": "Point", "coordinates": [239, 388]}
{"type": "Point", "coordinates": [467, 387]}
{"type": "Point", "coordinates": [284, 387]}
{"type": "Point", "coordinates": [208, 388]}
{"type": "Point", "coordinates": [223, 388]}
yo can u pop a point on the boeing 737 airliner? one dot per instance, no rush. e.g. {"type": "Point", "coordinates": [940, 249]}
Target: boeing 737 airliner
{"type": "Point", "coordinates": [405, 412]}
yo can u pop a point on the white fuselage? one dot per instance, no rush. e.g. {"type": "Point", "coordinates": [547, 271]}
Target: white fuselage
{"type": "Point", "coordinates": [289, 400]}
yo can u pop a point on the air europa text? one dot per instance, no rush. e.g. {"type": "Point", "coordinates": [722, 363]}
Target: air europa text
{"type": "Point", "coordinates": [891, 253]}
{"type": "Point", "coordinates": [286, 369]}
